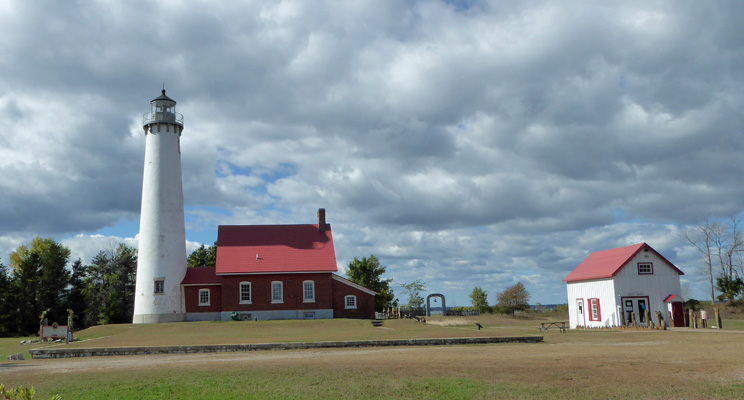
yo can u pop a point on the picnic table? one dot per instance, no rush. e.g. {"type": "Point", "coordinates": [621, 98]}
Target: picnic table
{"type": "Point", "coordinates": [544, 326]}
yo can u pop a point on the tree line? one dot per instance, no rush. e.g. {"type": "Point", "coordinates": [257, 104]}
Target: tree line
{"type": "Point", "coordinates": [38, 282]}
{"type": "Point", "coordinates": [510, 300]}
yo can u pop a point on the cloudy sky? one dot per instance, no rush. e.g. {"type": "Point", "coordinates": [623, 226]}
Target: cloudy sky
{"type": "Point", "coordinates": [464, 143]}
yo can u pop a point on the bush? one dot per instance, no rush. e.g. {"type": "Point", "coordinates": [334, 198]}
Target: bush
{"type": "Point", "coordinates": [502, 310]}
{"type": "Point", "coordinates": [692, 304]}
{"type": "Point", "coordinates": [21, 393]}
{"type": "Point", "coordinates": [561, 308]}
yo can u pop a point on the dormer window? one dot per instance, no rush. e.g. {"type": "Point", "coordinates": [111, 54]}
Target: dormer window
{"type": "Point", "coordinates": [645, 269]}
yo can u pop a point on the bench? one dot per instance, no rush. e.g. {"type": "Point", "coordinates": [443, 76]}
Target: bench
{"type": "Point", "coordinates": [544, 326]}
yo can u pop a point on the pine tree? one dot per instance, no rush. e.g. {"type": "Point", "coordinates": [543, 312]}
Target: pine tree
{"type": "Point", "coordinates": [203, 256]}
{"type": "Point", "coordinates": [25, 292]}
{"type": "Point", "coordinates": [6, 304]}
{"type": "Point", "coordinates": [39, 282]}
{"type": "Point", "coordinates": [76, 296]}
{"type": "Point", "coordinates": [109, 287]}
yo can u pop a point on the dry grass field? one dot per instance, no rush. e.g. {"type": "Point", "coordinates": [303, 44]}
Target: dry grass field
{"type": "Point", "coordinates": [674, 364]}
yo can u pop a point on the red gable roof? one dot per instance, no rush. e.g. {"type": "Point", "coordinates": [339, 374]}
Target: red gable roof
{"type": "Point", "coordinates": [607, 263]}
{"type": "Point", "coordinates": [201, 276]}
{"type": "Point", "coordinates": [245, 249]}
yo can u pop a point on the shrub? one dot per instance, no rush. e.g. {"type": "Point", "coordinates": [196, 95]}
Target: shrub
{"type": "Point", "coordinates": [21, 393]}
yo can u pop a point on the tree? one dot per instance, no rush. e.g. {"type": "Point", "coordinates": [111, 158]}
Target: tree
{"type": "Point", "coordinates": [730, 289]}
{"type": "Point", "coordinates": [6, 304]}
{"type": "Point", "coordinates": [514, 298]}
{"type": "Point", "coordinates": [720, 243]}
{"type": "Point", "coordinates": [39, 282]}
{"type": "Point", "coordinates": [76, 296]}
{"type": "Point", "coordinates": [413, 290]}
{"type": "Point", "coordinates": [479, 299]}
{"type": "Point", "coordinates": [24, 293]}
{"type": "Point", "coordinates": [368, 273]}
{"type": "Point", "coordinates": [109, 286]}
{"type": "Point", "coordinates": [203, 256]}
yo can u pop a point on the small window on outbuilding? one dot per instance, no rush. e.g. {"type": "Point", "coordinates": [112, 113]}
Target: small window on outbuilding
{"type": "Point", "coordinates": [350, 301]}
{"type": "Point", "coordinates": [204, 298]}
{"type": "Point", "coordinates": [645, 269]}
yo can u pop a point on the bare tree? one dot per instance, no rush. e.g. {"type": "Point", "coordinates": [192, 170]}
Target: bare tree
{"type": "Point", "coordinates": [719, 242]}
{"type": "Point", "coordinates": [700, 237]}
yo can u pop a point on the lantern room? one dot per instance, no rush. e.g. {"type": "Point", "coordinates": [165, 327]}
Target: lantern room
{"type": "Point", "coordinates": [163, 110]}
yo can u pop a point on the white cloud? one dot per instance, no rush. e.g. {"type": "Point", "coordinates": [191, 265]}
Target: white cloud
{"type": "Point", "coordinates": [465, 144]}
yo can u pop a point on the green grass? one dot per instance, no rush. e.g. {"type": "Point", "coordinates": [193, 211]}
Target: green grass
{"type": "Point", "coordinates": [590, 364]}
{"type": "Point", "coordinates": [244, 332]}
{"type": "Point", "coordinates": [290, 382]}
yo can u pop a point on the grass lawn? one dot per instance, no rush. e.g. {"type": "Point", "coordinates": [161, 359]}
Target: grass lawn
{"type": "Point", "coordinates": [702, 364]}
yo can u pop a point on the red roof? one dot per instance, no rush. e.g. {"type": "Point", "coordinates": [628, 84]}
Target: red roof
{"type": "Point", "coordinates": [201, 276]}
{"type": "Point", "coordinates": [246, 249]}
{"type": "Point", "coordinates": [672, 297]}
{"type": "Point", "coordinates": [607, 263]}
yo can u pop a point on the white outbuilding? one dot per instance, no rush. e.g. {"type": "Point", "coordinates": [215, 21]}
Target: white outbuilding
{"type": "Point", "coordinates": [611, 287]}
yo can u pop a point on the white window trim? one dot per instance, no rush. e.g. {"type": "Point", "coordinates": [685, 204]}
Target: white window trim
{"type": "Point", "coordinates": [240, 293]}
{"type": "Point", "coordinates": [305, 299]}
{"type": "Point", "coordinates": [281, 292]}
{"type": "Point", "coordinates": [346, 302]}
{"type": "Point", "coordinates": [650, 268]}
{"type": "Point", "coordinates": [209, 297]}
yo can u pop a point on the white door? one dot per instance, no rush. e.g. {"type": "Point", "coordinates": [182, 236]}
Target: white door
{"type": "Point", "coordinates": [580, 318]}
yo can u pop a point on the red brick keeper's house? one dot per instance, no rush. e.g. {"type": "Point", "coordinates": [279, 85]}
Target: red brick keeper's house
{"type": "Point", "coordinates": [274, 272]}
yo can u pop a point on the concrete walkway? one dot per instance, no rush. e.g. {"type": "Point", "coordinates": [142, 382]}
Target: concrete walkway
{"type": "Point", "coordinates": [218, 348]}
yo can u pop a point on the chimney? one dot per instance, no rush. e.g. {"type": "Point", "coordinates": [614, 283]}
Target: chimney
{"type": "Point", "coordinates": [321, 220]}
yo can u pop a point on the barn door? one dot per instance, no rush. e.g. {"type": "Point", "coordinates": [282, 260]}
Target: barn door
{"type": "Point", "coordinates": [580, 318]}
{"type": "Point", "coordinates": [678, 314]}
{"type": "Point", "coordinates": [635, 306]}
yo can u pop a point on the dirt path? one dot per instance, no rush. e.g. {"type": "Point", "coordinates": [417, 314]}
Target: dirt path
{"type": "Point", "coordinates": [83, 364]}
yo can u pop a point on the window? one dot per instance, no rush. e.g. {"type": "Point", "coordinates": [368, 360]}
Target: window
{"type": "Point", "coordinates": [277, 292]}
{"type": "Point", "coordinates": [308, 292]}
{"type": "Point", "coordinates": [645, 268]}
{"type": "Point", "coordinates": [350, 302]}
{"type": "Point", "coordinates": [245, 293]}
{"type": "Point", "coordinates": [159, 286]}
{"type": "Point", "coordinates": [203, 297]}
{"type": "Point", "coordinates": [594, 312]}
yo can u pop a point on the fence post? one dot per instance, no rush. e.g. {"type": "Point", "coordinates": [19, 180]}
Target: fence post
{"type": "Point", "coordinates": [660, 319]}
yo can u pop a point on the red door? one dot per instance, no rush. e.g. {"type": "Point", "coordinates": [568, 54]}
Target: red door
{"type": "Point", "coordinates": [678, 314]}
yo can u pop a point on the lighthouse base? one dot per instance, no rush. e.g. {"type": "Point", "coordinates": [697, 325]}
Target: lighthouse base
{"type": "Point", "coordinates": [158, 318]}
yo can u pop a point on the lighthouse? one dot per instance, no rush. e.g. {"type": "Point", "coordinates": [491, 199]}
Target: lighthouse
{"type": "Point", "coordinates": [161, 259]}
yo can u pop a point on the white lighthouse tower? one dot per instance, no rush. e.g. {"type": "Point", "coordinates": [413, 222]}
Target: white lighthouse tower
{"type": "Point", "coordinates": [161, 259]}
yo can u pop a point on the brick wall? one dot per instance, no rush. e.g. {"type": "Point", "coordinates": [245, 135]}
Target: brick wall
{"type": "Point", "coordinates": [365, 302]}
{"type": "Point", "coordinates": [261, 292]}
{"type": "Point", "coordinates": [191, 294]}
